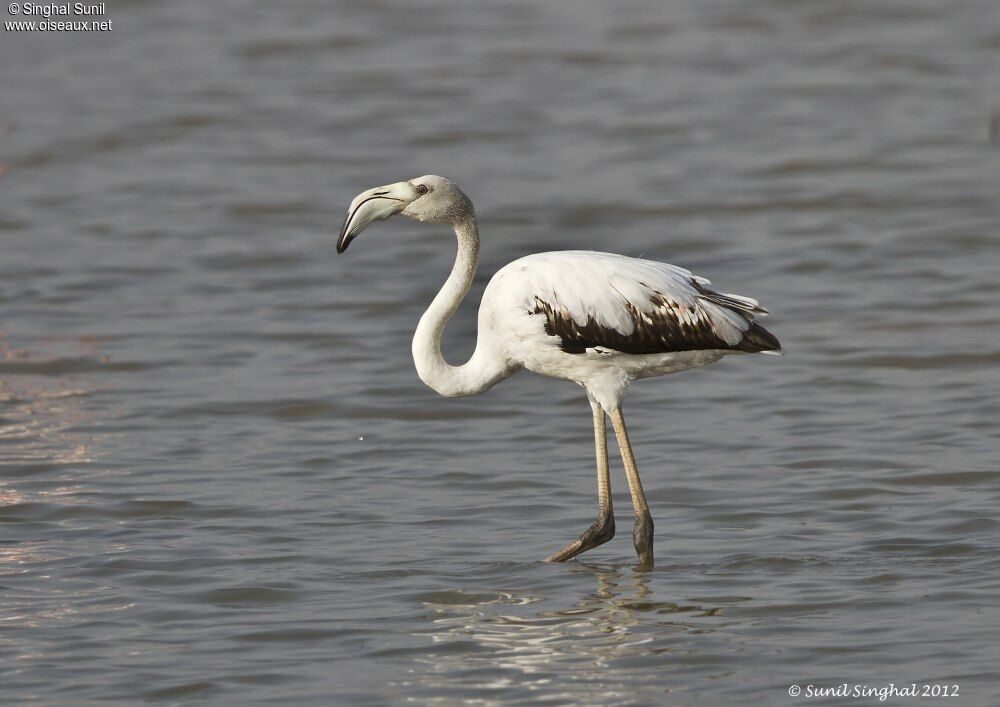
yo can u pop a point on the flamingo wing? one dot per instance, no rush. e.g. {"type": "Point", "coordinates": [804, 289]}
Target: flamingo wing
{"type": "Point", "coordinates": [593, 300]}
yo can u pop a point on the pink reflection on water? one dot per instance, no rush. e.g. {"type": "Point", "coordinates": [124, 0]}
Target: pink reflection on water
{"type": "Point", "coordinates": [38, 413]}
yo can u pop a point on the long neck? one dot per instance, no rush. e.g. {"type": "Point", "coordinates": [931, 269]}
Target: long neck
{"type": "Point", "coordinates": [487, 365]}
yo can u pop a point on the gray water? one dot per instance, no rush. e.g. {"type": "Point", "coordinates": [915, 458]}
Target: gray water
{"type": "Point", "coordinates": [222, 479]}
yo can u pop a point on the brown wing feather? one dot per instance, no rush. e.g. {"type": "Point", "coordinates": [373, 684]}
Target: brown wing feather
{"type": "Point", "coordinates": [664, 328]}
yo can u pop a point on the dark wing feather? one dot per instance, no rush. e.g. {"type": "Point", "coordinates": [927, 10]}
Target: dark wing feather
{"type": "Point", "coordinates": [658, 330]}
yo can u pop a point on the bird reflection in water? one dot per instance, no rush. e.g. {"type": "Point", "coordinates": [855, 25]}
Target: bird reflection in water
{"type": "Point", "coordinates": [494, 640]}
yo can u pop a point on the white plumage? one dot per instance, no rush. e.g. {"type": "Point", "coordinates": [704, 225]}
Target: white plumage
{"type": "Point", "coordinates": [598, 319]}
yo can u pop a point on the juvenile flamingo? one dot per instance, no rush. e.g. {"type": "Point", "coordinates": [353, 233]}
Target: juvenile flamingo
{"type": "Point", "coordinates": [597, 319]}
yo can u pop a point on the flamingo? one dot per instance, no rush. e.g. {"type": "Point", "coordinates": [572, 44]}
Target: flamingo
{"type": "Point", "coordinates": [597, 319]}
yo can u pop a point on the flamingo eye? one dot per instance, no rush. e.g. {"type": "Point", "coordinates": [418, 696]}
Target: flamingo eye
{"type": "Point", "coordinates": [421, 188]}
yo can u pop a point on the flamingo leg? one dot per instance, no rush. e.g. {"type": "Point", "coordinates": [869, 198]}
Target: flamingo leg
{"type": "Point", "coordinates": [603, 528]}
{"type": "Point", "coordinates": [642, 534]}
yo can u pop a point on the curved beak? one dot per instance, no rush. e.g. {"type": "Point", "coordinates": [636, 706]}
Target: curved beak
{"type": "Point", "coordinates": [374, 205]}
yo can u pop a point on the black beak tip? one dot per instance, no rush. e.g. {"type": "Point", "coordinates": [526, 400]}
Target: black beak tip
{"type": "Point", "coordinates": [343, 242]}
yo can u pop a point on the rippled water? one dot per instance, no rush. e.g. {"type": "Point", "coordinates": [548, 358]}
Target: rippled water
{"type": "Point", "coordinates": [221, 478]}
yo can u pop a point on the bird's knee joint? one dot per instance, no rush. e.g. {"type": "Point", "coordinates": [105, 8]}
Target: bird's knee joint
{"type": "Point", "coordinates": [604, 528]}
